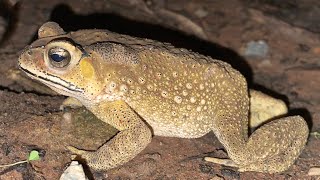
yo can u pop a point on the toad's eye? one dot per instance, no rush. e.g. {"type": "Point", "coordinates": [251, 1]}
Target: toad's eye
{"type": "Point", "coordinates": [59, 57]}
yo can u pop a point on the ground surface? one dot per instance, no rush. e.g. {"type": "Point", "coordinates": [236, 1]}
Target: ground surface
{"type": "Point", "coordinates": [285, 63]}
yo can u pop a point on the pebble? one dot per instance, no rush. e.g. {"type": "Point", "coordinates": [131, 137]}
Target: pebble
{"type": "Point", "coordinates": [258, 49]}
{"type": "Point", "coordinates": [74, 172]}
{"type": "Point", "coordinates": [314, 171]}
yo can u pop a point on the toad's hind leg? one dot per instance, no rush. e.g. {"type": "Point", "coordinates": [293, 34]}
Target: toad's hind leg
{"type": "Point", "coordinates": [272, 148]}
{"type": "Point", "coordinates": [276, 145]}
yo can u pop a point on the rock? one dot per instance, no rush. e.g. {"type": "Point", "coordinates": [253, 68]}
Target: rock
{"type": "Point", "coordinates": [314, 171]}
{"type": "Point", "coordinates": [258, 49]}
{"type": "Point", "coordinates": [74, 172]}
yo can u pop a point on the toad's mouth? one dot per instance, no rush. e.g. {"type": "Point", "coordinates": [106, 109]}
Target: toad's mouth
{"type": "Point", "coordinates": [58, 83]}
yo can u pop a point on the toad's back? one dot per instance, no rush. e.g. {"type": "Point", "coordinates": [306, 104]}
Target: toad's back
{"type": "Point", "coordinates": [178, 92]}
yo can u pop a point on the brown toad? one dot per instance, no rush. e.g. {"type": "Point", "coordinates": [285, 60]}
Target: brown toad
{"type": "Point", "coordinates": [144, 88]}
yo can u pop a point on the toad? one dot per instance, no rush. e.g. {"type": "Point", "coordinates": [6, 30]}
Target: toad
{"type": "Point", "coordinates": [144, 88]}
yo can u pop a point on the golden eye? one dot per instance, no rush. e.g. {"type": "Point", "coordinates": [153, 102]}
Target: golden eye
{"type": "Point", "coordinates": [59, 57]}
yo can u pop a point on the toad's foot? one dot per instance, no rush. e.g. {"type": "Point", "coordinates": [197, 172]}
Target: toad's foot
{"type": "Point", "coordinates": [71, 102]}
{"type": "Point", "coordinates": [225, 162]}
{"type": "Point", "coordinates": [75, 151]}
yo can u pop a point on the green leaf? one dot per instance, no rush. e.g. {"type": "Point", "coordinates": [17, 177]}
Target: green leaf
{"type": "Point", "coordinates": [34, 156]}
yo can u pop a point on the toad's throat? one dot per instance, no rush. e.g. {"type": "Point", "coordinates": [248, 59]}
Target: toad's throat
{"type": "Point", "coordinates": [68, 86]}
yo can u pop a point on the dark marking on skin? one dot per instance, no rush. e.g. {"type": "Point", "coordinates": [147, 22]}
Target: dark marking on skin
{"type": "Point", "coordinates": [46, 79]}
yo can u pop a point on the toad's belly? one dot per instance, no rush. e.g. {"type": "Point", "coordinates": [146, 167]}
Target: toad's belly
{"type": "Point", "coordinates": [182, 130]}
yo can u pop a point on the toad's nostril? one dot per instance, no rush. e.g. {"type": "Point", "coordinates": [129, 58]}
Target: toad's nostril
{"type": "Point", "coordinates": [29, 52]}
{"type": "Point", "coordinates": [24, 50]}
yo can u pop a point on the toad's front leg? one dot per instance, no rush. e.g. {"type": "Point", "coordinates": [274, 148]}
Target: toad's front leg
{"type": "Point", "coordinates": [133, 137]}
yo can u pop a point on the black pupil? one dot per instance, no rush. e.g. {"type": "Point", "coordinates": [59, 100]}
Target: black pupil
{"type": "Point", "coordinates": [57, 57]}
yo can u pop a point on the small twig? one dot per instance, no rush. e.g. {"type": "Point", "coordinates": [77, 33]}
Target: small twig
{"type": "Point", "coordinates": [13, 164]}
